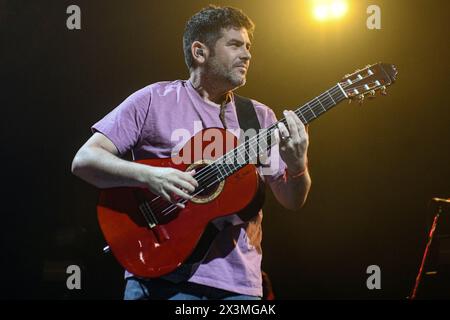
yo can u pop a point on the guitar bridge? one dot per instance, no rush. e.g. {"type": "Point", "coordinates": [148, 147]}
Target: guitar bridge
{"type": "Point", "coordinates": [148, 214]}
{"type": "Point", "coordinates": [159, 231]}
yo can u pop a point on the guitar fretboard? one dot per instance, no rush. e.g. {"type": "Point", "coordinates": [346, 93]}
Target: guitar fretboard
{"type": "Point", "coordinates": [253, 147]}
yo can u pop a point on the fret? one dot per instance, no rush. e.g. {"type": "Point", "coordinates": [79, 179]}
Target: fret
{"type": "Point", "coordinates": [305, 110]}
{"type": "Point", "coordinates": [238, 156]}
{"type": "Point", "coordinates": [311, 110]}
{"type": "Point", "coordinates": [338, 93]}
{"type": "Point", "coordinates": [326, 100]}
{"type": "Point", "coordinates": [321, 104]}
{"type": "Point", "coordinates": [244, 153]}
{"type": "Point", "coordinates": [219, 170]}
{"type": "Point", "coordinates": [254, 146]}
{"type": "Point", "coordinates": [342, 90]}
{"type": "Point", "coordinates": [303, 117]}
{"type": "Point", "coordinates": [317, 107]}
{"type": "Point", "coordinates": [331, 97]}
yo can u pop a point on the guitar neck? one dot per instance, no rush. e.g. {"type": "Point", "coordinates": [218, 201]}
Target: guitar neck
{"type": "Point", "coordinates": [248, 151]}
{"type": "Point", "coordinates": [317, 106]}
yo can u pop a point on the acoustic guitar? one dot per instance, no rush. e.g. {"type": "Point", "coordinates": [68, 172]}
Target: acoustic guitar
{"type": "Point", "coordinates": [151, 237]}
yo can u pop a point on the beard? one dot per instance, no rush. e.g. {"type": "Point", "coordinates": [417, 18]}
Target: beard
{"type": "Point", "coordinates": [224, 74]}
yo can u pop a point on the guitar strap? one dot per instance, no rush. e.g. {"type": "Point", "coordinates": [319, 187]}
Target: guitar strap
{"type": "Point", "coordinates": [247, 119]}
{"type": "Point", "coordinates": [246, 113]}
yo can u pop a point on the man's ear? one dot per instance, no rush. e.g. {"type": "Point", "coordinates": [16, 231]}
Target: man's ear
{"type": "Point", "coordinates": [199, 52]}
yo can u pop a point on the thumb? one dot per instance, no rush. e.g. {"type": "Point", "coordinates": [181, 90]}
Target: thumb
{"type": "Point", "coordinates": [276, 133]}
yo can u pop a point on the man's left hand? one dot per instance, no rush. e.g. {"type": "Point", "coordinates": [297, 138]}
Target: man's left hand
{"type": "Point", "coordinates": [293, 142]}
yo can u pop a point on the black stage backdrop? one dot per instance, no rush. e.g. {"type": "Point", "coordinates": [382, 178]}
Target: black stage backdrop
{"type": "Point", "coordinates": [374, 168]}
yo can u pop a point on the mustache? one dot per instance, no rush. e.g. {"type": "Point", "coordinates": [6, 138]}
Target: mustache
{"type": "Point", "coordinates": [243, 65]}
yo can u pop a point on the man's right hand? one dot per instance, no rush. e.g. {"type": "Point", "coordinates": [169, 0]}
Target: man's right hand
{"type": "Point", "coordinates": [98, 163]}
{"type": "Point", "coordinates": [171, 184]}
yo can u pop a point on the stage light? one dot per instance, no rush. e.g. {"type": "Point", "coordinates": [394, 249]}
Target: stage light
{"type": "Point", "coordinates": [331, 9]}
{"type": "Point", "coordinates": [338, 8]}
{"type": "Point", "coordinates": [321, 12]}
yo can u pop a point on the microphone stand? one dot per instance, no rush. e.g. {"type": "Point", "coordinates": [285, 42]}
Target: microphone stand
{"type": "Point", "coordinates": [430, 240]}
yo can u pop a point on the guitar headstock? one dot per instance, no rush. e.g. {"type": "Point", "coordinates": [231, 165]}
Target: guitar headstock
{"type": "Point", "coordinates": [367, 81]}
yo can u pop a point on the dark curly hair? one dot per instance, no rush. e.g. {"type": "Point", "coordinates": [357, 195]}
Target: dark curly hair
{"type": "Point", "coordinates": [207, 24]}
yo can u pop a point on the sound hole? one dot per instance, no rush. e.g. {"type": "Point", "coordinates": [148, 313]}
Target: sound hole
{"type": "Point", "coordinates": [209, 192]}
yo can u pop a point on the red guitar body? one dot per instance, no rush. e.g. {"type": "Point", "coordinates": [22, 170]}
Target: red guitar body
{"type": "Point", "coordinates": [148, 250]}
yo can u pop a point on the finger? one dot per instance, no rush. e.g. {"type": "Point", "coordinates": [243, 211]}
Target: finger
{"type": "Point", "coordinates": [293, 130]}
{"type": "Point", "coordinates": [180, 205]}
{"type": "Point", "coordinates": [300, 126]}
{"type": "Point", "coordinates": [276, 133]}
{"type": "Point", "coordinates": [179, 193]}
{"type": "Point", "coordinates": [174, 201]}
{"type": "Point", "coordinates": [166, 196]}
{"type": "Point", "coordinates": [188, 176]}
{"type": "Point", "coordinates": [298, 121]}
{"type": "Point", "coordinates": [284, 132]}
{"type": "Point", "coordinates": [183, 184]}
{"type": "Point", "coordinates": [282, 142]}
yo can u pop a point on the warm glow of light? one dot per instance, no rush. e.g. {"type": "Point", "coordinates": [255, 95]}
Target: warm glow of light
{"type": "Point", "coordinates": [321, 12]}
{"type": "Point", "coordinates": [338, 8]}
{"type": "Point", "coordinates": [329, 9]}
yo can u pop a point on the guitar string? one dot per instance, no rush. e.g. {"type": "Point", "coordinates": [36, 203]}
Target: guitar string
{"type": "Point", "coordinates": [249, 143]}
{"type": "Point", "coordinates": [305, 111]}
{"type": "Point", "coordinates": [310, 106]}
{"type": "Point", "coordinates": [307, 114]}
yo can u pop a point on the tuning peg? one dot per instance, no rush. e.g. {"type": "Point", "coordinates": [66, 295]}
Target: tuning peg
{"type": "Point", "coordinates": [383, 90]}
{"type": "Point", "coordinates": [371, 94]}
{"type": "Point", "coordinates": [360, 99]}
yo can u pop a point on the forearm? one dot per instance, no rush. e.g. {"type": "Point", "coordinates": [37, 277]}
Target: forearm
{"type": "Point", "coordinates": [105, 170]}
{"type": "Point", "coordinates": [292, 192]}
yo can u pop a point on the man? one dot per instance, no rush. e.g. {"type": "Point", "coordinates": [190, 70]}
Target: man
{"type": "Point", "coordinates": [216, 44]}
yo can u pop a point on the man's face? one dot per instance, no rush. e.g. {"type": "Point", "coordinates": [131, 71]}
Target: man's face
{"type": "Point", "coordinates": [231, 57]}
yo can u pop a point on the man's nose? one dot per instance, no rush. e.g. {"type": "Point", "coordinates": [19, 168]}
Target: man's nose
{"type": "Point", "coordinates": [246, 55]}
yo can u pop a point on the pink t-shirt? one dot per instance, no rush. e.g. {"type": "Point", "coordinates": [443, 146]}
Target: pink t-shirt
{"type": "Point", "coordinates": [144, 123]}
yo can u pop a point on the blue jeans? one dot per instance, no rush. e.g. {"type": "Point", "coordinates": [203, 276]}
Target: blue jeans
{"type": "Point", "coordinates": [158, 289]}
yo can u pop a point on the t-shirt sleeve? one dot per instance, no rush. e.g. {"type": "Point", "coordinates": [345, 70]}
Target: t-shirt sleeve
{"type": "Point", "coordinates": [123, 125]}
{"type": "Point", "coordinates": [275, 167]}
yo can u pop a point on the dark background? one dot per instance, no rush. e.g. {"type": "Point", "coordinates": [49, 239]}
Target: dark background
{"type": "Point", "coordinates": [374, 168]}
